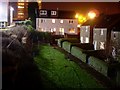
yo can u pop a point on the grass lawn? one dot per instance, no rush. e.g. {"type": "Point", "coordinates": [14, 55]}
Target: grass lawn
{"type": "Point", "coordinates": [57, 71]}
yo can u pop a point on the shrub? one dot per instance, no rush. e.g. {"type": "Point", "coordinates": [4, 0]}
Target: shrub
{"type": "Point", "coordinates": [66, 46]}
{"type": "Point", "coordinates": [78, 52]}
{"type": "Point", "coordinates": [72, 40]}
{"type": "Point", "coordinates": [28, 22]}
{"type": "Point", "coordinates": [102, 66]}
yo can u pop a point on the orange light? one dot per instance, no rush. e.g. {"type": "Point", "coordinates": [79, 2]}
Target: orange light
{"type": "Point", "coordinates": [91, 15]}
{"type": "Point", "coordinates": [77, 15]}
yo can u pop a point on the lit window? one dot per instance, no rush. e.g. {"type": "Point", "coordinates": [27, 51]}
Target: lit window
{"type": "Point", "coordinates": [20, 6]}
{"type": "Point", "coordinates": [86, 30]}
{"type": "Point", "coordinates": [54, 29]}
{"type": "Point", "coordinates": [61, 21]}
{"type": "Point", "coordinates": [81, 38]}
{"type": "Point", "coordinates": [71, 30]}
{"type": "Point", "coordinates": [43, 12]}
{"type": "Point", "coordinates": [95, 44]}
{"type": "Point", "coordinates": [86, 40]}
{"type": "Point", "coordinates": [20, 13]}
{"type": "Point", "coordinates": [53, 20]}
{"type": "Point", "coordinates": [78, 25]}
{"type": "Point", "coordinates": [53, 13]}
{"type": "Point", "coordinates": [20, 0]}
{"type": "Point", "coordinates": [102, 45]}
{"type": "Point", "coordinates": [42, 20]}
{"type": "Point", "coordinates": [61, 31]}
{"type": "Point", "coordinates": [102, 32]}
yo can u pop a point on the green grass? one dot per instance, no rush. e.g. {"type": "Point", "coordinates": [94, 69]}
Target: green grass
{"type": "Point", "coordinates": [57, 71]}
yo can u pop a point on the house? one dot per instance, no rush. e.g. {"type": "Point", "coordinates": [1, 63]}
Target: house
{"type": "Point", "coordinates": [100, 31]}
{"type": "Point", "coordinates": [3, 14]}
{"type": "Point", "coordinates": [57, 22]}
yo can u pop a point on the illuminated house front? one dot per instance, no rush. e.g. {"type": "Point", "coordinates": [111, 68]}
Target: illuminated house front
{"type": "Point", "coordinates": [22, 10]}
{"type": "Point", "coordinates": [56, 21]}
{"type": "Point", "coordinates": [4, 14]}
{"type": "Point", "coordinates": [99, 38]}
{"type": "Point", "coordinates": [84, 34]}
{"type": "Point", "coordinates": [99, 32]}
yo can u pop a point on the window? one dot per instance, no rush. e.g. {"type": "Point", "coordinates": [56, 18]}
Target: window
{"type": "Point", "coordinates": [20, 6]}
{"type": "Point", "coordinates": [61, 31]}
{"type": "Point", "coordinates": [20, 13]}
{"type": "Point", "coordinates": [54, 29]}
{"type": "Point", "coordinates": [95, 44]}
{"type": "Point", "coordinates": [81, 38]}
{"type": "Point", "coordinates": [20, 16]}
{"type": "Point", "coordinates": [42, 20]}
{"type": "Point", "coordinates": [102, 45]}
{"type": "Point", "coordinates": [61, 21]}
{"type": "Point", "coordinates": [102, 32]}
{"type": "Point", "coordinates": [53, 12]}
{"type": "Point", "coordinates": [71, 30]}
{"type": "Point", "coordinates": [20, 3]}
{"type": "Point", "coordinates": [70, 21]}
{"type": "Point", "coordinates": [43, 12]}
{"type": "Point", "coordinates": [86, 40]}
{"type": "Point", "coordinates": [53, 20]}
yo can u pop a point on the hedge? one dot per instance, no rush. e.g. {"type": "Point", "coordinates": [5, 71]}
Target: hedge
{"type": "Point", "coordinates": [78, 52]}
{"type": "Point", "coordinates": [85, 46]}
{"type": "Point", "coordinates": [118, 75]}
{"type": "Point", "coordinates": [66, 46]}
{"type": "Point", "coordinates": [72, 40]}
{"type": "Point", "coordinates": [102, 66]}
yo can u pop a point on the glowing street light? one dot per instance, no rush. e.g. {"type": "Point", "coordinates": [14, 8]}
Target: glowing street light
{"type": "Point", "coordinates": [91, 15]}
{"type": "Point", "coordinates": [81, 18]}
{"type": "Point", "coordinates": [77, 15]}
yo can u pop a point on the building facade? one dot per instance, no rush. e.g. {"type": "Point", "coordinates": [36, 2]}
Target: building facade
{"type": "Point", "coordinates": [4, 13]}
{"type": "Point", "coordinates": [56, 22]}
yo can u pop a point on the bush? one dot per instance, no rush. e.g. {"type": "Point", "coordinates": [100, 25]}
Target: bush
{"type": "Point", "coordinates": [72, 40]}
{"type": "Point", "coordinates": [66, 46]}
{"type": "Point", "coordinates": [102, 66]}
{"type": "Point", "coordinates": [28, 22]}
{"type": "Point", "coordinates": [78, 52]}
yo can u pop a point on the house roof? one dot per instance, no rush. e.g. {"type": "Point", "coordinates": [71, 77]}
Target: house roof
{"type": "Point", "coordinates": [105, 21]}
{"type": "Point", "coordinates": [62, 14]}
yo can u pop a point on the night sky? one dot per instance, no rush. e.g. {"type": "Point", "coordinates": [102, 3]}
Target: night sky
{"type": "Point", "coordinates": [84, 7]}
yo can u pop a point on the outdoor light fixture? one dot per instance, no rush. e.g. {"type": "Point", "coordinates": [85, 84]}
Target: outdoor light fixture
{"type": "Point", "coordinates": [81, 18]}
{"type": "Point", "coordinates": [91, 15]}
{"type": "Point", "coordinates": [77, 15]}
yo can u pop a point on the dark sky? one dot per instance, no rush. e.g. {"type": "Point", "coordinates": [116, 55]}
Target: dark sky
{"type": "Point", "coordinates": [84, 7]}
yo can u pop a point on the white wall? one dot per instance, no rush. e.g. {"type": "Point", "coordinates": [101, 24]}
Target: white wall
{"type": "Point", "coordinates": [85, 34]}
{"type": "Point", "coordinates": [3, 11]}
{"type": "Point", "coordinates": [47, 25]}
{"type": "Point", "coordinates": [99, 38]}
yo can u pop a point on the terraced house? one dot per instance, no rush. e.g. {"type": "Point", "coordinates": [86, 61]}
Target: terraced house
{"type": "Point", "coordinates": [58, 22]}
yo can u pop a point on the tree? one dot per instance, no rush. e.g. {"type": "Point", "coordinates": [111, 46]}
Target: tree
{"type": "Point", "coordinates": [32, 7]}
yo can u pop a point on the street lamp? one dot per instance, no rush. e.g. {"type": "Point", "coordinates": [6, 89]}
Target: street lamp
{"type": "Point", "coordinates": [91, 15]}
{"type": "Point", "coordinates": [77, 15]}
